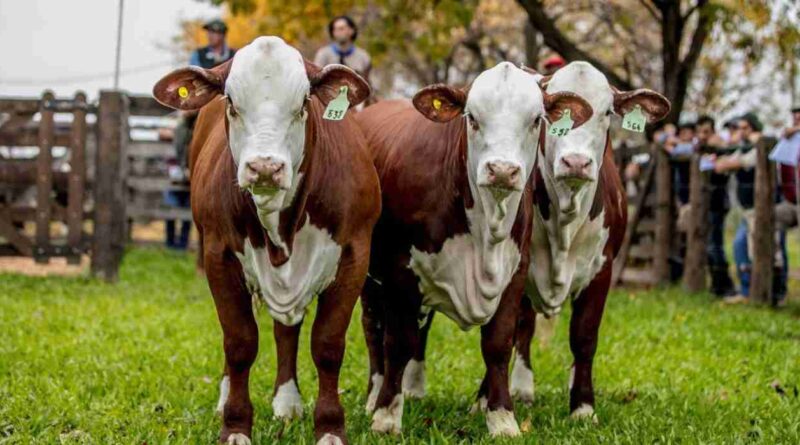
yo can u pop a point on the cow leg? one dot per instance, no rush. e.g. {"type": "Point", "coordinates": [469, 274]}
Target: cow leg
{"type": "Point", "coordinates": [286, 401]}
{"type": "Point", "coordinates": [328, 333]}
{"type": "Point", "coordinates": [400, 341]}
{"type": "Point", "coordinates": [240, 341]}
{"type": "Point", "coordinates": [414, 375]}
{"type": "Point", "coordinates": [372, 320]}
{"type": "Point", "coordinates": [587, 312]}
{"type": "Point", "coordinates": [497, 338]}
{"type": "Point", "coordinates": [522, 385]}
{"type": "Point", "coordinates": [224, 390]}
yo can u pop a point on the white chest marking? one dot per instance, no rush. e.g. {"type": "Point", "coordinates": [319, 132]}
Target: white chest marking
{"type": "Point", "coordinates": [564, 260]}
{"type": "Point", "coordinates": [465, 280]}
{"type": "Point", "coordinates": [288, 288]}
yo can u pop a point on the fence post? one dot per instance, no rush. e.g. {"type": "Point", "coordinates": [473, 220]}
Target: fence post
{"type": "Point", "coordinates": [696, 261]}
{"type": "Point", "coordinates": [77, 180]}
{"type": "Point", "coordinates": [44, 178]}
{"type": "Point", "coordinates": [763, 230]}
{"type": "Point", "coordinates": [109, 187]}
{"type": "Point", "coordinates": [663, 214]}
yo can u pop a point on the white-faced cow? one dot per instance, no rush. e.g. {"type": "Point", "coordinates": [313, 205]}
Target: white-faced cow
{"type": "Point", "coordinates": [453, 236]}
{"type": "Point", "coordinates": [285, 203]}
{"type": "Point", "coordinates": [579, 220]}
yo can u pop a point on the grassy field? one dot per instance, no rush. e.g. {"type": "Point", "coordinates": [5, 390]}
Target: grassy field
{"type": "Point", "coordinates": [138, 362]}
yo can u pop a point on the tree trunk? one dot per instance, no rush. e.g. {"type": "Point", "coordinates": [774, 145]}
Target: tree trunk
{"type": "Point", "coordinates": [532, 46]}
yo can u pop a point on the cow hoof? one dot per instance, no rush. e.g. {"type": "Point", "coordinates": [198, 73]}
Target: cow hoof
{"type": "Point", "coordinates": [238, 439]}
{"type": "Point", "coordinates": [584, 412]}
{"type": "Point", "coordinates": [414, 379]}
{"type": "Point", "coordinates": [501, 422]}
{"type": "Point", "coordinates": [330, 439]}
{"type": "Point", "coordinates": [224, 389]}
{"type": "Point", "coordinates": [287, 404]}
{"type": "Point", "coordinates": [389, 419]}
{"type": "Point", "coordinates": [479, 406]}
{"type": "Point", "coordinates": [521, 387]}
{"type": "Point", "coordinates": [372, 398]}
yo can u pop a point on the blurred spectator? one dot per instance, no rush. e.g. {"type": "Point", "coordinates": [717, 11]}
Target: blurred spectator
{"type": "Point", "coordinates": [742, 164]}
{"type": "Point", "coordinates": [215, 53]}
{"type": "Point", "coordinates": [553, 64]}
{"type": "Point", "coordinates": [342, 50]}
{"type": "Point", "coordinates": [711, 144]}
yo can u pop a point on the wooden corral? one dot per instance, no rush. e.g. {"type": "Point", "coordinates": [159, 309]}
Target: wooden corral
{"type": "Point", "coordinates": [74, 175]}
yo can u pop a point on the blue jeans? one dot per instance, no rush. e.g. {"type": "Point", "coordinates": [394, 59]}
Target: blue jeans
{"type": "Point", "coordinates": [744, 266]}
{"type": "Point", "coordinates": [178, 199]}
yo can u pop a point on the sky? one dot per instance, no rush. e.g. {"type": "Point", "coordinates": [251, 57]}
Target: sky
{"type": "Point", "coordinates": [69, 45]}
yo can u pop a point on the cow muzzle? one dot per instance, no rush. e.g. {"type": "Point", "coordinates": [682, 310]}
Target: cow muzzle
{"type": "Point", "coordinates": [265, 174]}
{"type": "Point", "coordinates": [575, 169]}
{"type": "Point", "coordinates": [503, 176]}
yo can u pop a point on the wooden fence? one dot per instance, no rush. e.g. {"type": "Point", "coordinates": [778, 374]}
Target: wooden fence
{"type": "Point", "coordinates": [84, 169]}
{"type": "Point", "coordinates": [653, 215]}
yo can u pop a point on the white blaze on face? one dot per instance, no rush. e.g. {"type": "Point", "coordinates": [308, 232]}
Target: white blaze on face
{"type": "Point", "coordinates": [267, 88]}
{"type": "Point", "coordinates": [504, 106]}
{"type": "Point", "coordinates": [588, 140]}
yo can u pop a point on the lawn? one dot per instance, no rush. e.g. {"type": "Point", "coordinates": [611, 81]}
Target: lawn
{"type": "Point", "coordinates": [138, 362]}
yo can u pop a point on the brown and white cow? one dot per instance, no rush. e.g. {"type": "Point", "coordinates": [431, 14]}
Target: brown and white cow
{"type": "Point", "coordinates": [454, 232]}
{"type": "Point", "coordinates": [285, 203]}
{"type": "Point", "coordinates": [579, 220]}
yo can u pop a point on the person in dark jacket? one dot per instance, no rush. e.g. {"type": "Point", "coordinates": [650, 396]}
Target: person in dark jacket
{"type": "Point", "coordinates": [712, 145]}
{"type": "Point", "coordinates": [216, 52]}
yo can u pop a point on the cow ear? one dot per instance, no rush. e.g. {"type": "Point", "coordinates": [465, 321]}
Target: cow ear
{"type": "Point", "coordinates": [556, 103]}
{"type": "Point", "coordinates": [654, 105]}
{"type": "Point", "coordinates": [326, 82]}
{"type": "Point", "coordinates": [192, 87]}
{"type": "Point", "coordinates": [440, 103]}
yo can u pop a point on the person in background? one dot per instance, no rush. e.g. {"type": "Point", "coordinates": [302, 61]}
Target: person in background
{"type": "Point", "coordinates": [553, 64]}
{"type": "Point", "coordinates": [711, 145]}
{"type": "Point", "coordinates": [216, 52]}
{"type": "Point", "coordinates": [741, 163]}
{"type": "Point", "coordinates": [342, 49]}
{"type": "Point", "coordinates": [680, 147]}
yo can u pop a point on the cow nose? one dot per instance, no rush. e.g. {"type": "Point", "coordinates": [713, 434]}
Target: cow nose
{"type": "Point", "coordinates": [503, 174]}
{"type": "Point", "coordinates": [576, 165]}
{"type": "Point", "coordinates": [265, 172]}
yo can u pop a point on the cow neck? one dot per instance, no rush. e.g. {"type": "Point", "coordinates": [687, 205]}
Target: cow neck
{"type": "Point", "coordinates": [555, 200]}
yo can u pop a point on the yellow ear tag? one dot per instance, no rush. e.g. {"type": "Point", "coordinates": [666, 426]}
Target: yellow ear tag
{"type": "Point", "coordinates": [183, 92]}
{"type": "Point", "coordinates": [437, 104]}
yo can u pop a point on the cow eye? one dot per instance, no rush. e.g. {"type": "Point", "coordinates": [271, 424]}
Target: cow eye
{"type": "Point", "coordinates": [231, 109]}
{"type": "Point", "coordinates": [472, 122]}
{"type": "Point", "coordinates": [609, 112]}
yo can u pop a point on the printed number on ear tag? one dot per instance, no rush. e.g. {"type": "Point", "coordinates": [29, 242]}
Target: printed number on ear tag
{"type": "Point", "coordinates": [562, 126]}
{"type": "Point", "coordinates": [634, 120]}
{"type": "Point", "coordinates": [337, 108]}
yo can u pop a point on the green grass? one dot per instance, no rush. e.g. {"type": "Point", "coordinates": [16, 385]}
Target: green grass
{"type": "Point", "coordinates": [138, 362]}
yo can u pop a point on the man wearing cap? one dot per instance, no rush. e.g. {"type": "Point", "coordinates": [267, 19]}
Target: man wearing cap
{"type": "Point", "coordinates": [342, 49]}
{"type": "Point", "coordinates": [553, 64]}
{"type": "Point", "coordinates": [215, 53]}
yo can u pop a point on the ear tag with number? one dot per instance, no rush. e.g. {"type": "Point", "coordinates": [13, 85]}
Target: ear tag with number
{"type": "Point", "coordinates": [337, 108]}
{"type": "Point", "coordinates": [562, 126]}
{"type": "Point", "coordinates": [634, 120]}
{"type": "Point", "coordinates": [183, 92]}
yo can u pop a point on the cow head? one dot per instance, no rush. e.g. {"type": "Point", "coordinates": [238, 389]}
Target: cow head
{"type": "Point", "coordinates": [268, 87]}
{"type": "Point", "coordinates": [575, 159]}
{"type": "Point", "coordinates": [503, 111]}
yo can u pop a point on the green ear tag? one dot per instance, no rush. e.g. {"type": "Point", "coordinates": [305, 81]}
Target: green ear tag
{"type": "Point", "coordinates": [562, 126]}
{"type": "Point", "coordinates": [337, 107]}
{"type": "Point", "coordinates": [634, 120]}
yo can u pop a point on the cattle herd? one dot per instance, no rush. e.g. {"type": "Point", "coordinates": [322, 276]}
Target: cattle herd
{"type": "Point", "coordinates": [489, 204]}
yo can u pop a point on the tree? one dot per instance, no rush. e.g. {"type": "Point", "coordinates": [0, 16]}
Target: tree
{"type": "Point", "coordinates": [660, 42]}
